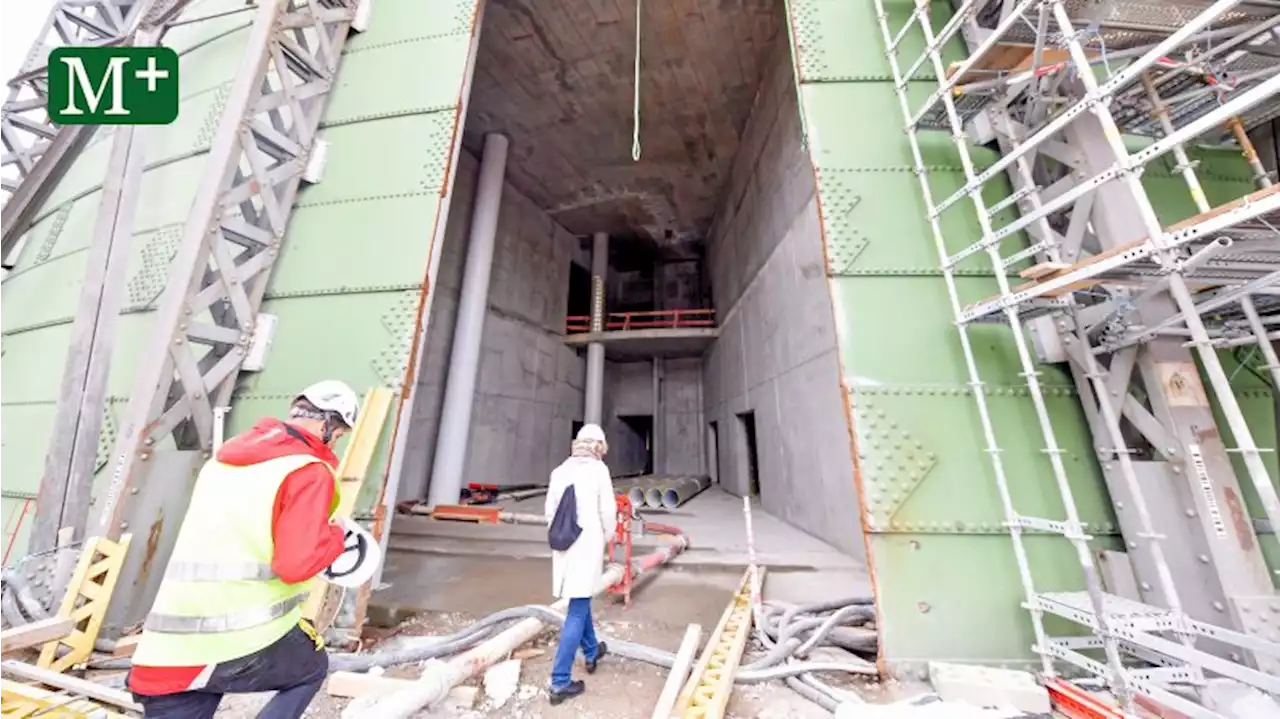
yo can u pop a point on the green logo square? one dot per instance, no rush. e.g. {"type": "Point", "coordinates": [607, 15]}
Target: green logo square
{"type": "Point", "coordinates": [113, 85]}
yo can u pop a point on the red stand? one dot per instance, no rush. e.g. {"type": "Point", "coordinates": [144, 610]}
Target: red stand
{"type": "Point", "coordinates": [622, 537]}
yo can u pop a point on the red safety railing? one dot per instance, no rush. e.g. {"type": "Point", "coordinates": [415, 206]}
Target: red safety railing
{"type": "Point", "coordinates": [662, 319]}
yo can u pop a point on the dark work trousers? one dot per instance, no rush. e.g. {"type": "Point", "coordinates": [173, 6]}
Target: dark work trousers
{"type": "Point", "coordinates": [292, 667]}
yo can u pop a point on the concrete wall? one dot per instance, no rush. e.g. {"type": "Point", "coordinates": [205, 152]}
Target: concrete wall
{"type": "Point", "coordinates": [529, 390]}
{"type": "Point", "coordinates": [776, 356]}
{"type": "Point", "coordinates": [629, 390]}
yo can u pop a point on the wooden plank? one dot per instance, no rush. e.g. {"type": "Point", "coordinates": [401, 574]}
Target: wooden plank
{"type": "Point", "coordinates": [706, 694]}
{"type": "Point", "coordinates": [679, 671]}
{"type": "Point", "coordinates": [1044, 269]}
{"type": "Point", "coordinates": [355, 684]}
{"type": "Point", "coordinates": [25, 700]}
{"type": "Point", "coordinates": [35, 633]}
{"type": "Point", "coordinates": [351, 471]}
{"type": "Point", "coordinates": [126, 646]}
{"type": "Point", "coordinates": [88, 689]}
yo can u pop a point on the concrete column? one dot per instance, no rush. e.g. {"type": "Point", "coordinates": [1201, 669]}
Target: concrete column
{"type": "Point", "coordinates": [464, 357]}
{"type": "Point", "coordinates": [595, 351]}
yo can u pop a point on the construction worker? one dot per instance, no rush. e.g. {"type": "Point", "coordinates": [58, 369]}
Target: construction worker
{"type": "Point", "coordinates": [260, 528]}
{"type": "Point", "coordinates": [578, 572]}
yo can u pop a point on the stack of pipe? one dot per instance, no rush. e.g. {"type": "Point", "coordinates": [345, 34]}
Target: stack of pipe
{"type": "Point", "coordinates": [661, 491]}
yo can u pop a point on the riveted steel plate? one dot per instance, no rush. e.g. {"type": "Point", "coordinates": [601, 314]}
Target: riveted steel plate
{"type": "Point", "coordinates": [361, 89]}
{"type": "Point", "coordinates": [837, 40]}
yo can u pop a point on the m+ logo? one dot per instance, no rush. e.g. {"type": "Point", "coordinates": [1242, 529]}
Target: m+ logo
{"type": "Point", "coordinates": [113, 85]}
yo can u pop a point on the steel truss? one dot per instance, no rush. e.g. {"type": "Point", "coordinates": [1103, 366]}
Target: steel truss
{"type": "Point", "coordinates": [265, 146]}
{"type": "Point", "coordinates": [35, 151]}
{"type": "Point", "coordinates": [1117, 296]}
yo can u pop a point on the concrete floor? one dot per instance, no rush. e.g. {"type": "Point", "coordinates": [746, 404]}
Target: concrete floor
{"type": "Point", "coordinates": [439, 566]}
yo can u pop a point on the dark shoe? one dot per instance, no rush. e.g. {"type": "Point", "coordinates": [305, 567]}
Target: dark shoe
{"type": "Point", "coordinates": [601, 650]}
{"type": "Point", "coordinates": [573, 689]}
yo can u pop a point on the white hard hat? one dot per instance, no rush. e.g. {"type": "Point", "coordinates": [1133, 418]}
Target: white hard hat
{"type": "Point", "coordinates": [591, 433]}
{"type": "Point", "coordinates": [333, 396]}
{"type": "Point", "coordinates": [359, 559]}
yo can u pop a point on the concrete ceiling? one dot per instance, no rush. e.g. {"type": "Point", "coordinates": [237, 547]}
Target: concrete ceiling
{"type": "Point", "coordinates": [556, 76]}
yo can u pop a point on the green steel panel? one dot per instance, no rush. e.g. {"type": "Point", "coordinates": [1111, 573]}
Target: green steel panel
{"type": "Point", "coordinates": [362, 91]}
{"type": "Point", "coordinates": [870, 210]}
{"type": "Point", "coordinates": [839, 40]}
{"type": "Point", "coordinates": [836, 142]}
{"type": "Point", "coordinates": [348, 285]}
{"type": "Point", "coordinates": [950, 598]}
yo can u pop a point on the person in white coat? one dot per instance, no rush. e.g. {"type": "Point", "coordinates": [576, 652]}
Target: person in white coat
{"type": "Point", "coordinates": [578, 572]}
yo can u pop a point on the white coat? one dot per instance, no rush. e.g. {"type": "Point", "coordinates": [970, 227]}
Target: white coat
{"type": "Point", "coordinates": [578, 571]}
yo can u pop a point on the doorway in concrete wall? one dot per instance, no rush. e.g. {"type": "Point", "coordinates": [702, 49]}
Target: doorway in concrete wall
{"type": "Point", "coordinates": [631, 446]}
{"type": "Point", "coordinates": [749, 462]}
{"type": "Point", "coordinates": [713, 452]}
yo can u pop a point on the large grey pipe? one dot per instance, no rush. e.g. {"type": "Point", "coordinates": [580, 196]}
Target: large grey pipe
{"type": "Point", "coordinates": [683, 490]}
{"type": "Point", "coordinates": [473, 303]}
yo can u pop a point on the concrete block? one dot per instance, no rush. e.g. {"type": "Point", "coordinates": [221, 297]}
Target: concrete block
{"type": "Point", "coordinates": [988, 687]}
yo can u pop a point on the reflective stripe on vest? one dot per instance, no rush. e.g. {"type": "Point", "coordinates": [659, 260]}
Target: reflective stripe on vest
{"type": "Point", "coordinates": [220, 599]}
{"type": "Point", "coordinates": [173, 624]}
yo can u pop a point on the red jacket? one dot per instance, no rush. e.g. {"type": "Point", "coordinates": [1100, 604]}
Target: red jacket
{"type": "Point", "coordinates": [305, 541]}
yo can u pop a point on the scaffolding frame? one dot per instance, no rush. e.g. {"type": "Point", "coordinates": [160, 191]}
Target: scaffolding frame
{"type": "Point", "coordinates": [37, 152]}
{"type": "Point", "coordinates": [1222, 254]}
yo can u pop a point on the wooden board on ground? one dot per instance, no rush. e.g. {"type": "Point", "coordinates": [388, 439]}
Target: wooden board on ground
{"type": "Point", "coordinates": [25, 700]}
{"type": "Point", "coordinates": [35, 633]}
{"type": "Point", "coordinates": [355, 684]}
{"type": "Point", "coordinates": [706, 694]}
{"type": "Point", "coordinates": [72, 685]}
{"type": "Point", "coordinates": [679, 672]}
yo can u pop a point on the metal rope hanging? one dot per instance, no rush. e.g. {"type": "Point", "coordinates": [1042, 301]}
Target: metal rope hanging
{"type": "Point", "coordinates": [635, 112]}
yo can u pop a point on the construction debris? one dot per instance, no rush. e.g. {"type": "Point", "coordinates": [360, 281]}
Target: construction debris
{"type": "Point", "coordinates": [988, 687]}
{"type": "Point", "coordinates": [352, 685]}
{"type": "Point", "coordinates": [25, 700]}
{"type": "Point", "coordinates": [79, 687]}
{"type": "Point", "coordinates": [501, 682]}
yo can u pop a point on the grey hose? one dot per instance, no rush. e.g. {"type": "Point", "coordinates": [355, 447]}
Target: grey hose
{"type": "Point", "coordinates": [840, 616]}
{"type": "Point", "coordinates": [9, 610]}
{"type": "Point", "coordinates": [29, 606]}
{"type": "Point", "coordinates": [793, 673]}
{"type": "Point", "coordinates": [811, 693]}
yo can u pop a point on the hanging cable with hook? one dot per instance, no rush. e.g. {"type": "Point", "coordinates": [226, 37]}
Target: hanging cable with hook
{"type": "Point", "coordinates": [635, 112]}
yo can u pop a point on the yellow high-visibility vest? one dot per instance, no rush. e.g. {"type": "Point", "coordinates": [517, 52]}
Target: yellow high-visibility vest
{"type": "Point", "coordinates": [220, 599]}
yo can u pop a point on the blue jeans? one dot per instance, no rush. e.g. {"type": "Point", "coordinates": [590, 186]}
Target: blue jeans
{"type": "Point", "coordinates": [577, 631]}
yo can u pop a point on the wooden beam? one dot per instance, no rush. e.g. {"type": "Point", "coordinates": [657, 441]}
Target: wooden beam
{"type": "Point", "coordinates": [706, 694]}
{"type": "Point", "coordinates": [679, 672]}
{"type": "Point", "coordinates": [351, 474]}
{"type": "Point", "coordinates": [126, 646]}
{"type": "Point", "coordinates": [35, 633]}
{"type": "Point", "coordinates": [27, 700]}
{"type": "Point", "coordinates": [89, 689]}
